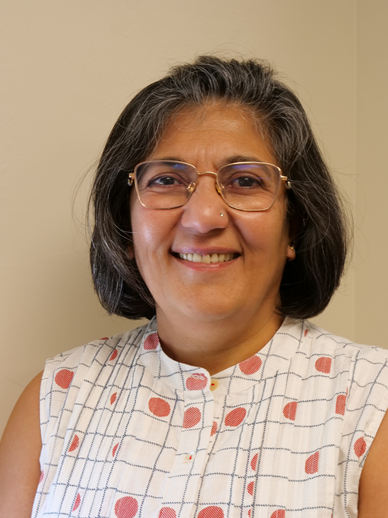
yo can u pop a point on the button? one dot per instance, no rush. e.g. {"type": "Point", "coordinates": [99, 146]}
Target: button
{"type": "Point", "coordinates": [214, 384]}
{"type": "Point", "coordinates": [189, 457]}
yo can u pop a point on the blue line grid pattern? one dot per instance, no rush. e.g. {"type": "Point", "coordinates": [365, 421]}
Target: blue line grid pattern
{"type": "Point", "coordinates": [127, 432]}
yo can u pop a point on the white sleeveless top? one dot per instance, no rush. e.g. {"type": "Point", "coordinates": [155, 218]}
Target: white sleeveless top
{"type": "Point", "coordinates": [127, 432]}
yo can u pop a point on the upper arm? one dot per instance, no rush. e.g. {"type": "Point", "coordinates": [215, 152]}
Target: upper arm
{"type": "Point", "coordinates": [373, 493]}
{"type": "Point", "coordinates": [19, 455]}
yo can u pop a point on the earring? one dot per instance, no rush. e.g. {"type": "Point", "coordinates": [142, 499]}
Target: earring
{"type": "Point", "coordinates": [292, 246]}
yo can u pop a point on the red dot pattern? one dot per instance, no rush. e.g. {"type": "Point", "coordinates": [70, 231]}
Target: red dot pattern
{"type": "Point", "coordinates": [311, 465]}
{"type": "Point", "coordinates": [105, 338]}
{"type": "Point", "coordinates": [63, 378]}
{"type": "Point", "coordinates": [77, 502]}
{"type": "Point", "coordinates": [280, 513]}
{"type": "Point", "coordinates": [126, 507]}
{"type": "Point", "coordinates": [151, 342]}
{"type": "Point", "coordinates": [251, 365]}
{"type": "Point", "coordinates": [167, 512]}
{"type": "Point", "coordinates": [235, 417]}
{"type": "Point", "coordinates": [289, 411]}
{"type": "Point", "coordinates": [159, 407]}
{"type": "Point", "coordinates": [323, 364]}
{"type": "Point", "coordinates": [113, 355]}
{"type": "Point", "coordinates": [196, 381]}
{"type": "Point", "coordinates": [114, 449]}
{"type": "Point", "coordinates": [191, 417]}
{"type": "Point", "coordinates": [360, 447]}
{"type": "Point", "coordinates": [306, 331]}
{"type": "Point", "coordinates": [254, 462]}
{"type": "Point", "coordinates": [340, 404]}
{"type": "Point", "coordinates": [74, 443]}
{"type": "Point", "coordinates": [212, 511]}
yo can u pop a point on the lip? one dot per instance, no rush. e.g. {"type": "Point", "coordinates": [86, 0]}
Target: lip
{"type": "Point", "coordinates": [204, 251]}
{"type": "Point", "coordinates": [205, 267]}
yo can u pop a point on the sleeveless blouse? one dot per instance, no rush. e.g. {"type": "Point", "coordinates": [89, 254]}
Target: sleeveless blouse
{"type": "Point", "coordinates": [127, 432]}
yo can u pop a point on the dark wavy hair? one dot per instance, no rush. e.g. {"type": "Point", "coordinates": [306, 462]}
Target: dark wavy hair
{"type": "Point", "coordinates": [314, 205]}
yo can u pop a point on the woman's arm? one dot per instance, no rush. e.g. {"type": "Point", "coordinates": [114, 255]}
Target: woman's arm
{"type": "Point", "coordinates": [19, 455]}
{"type": "Point", "coordinates": [373, 491]}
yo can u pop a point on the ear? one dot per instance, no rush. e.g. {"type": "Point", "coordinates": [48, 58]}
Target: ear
{"type": "Point", "coordinates": [131, 252]}
{"type": "Point", "coordinates": [291, 254]}
{"type": "Point", "coordinates": [293, 230]}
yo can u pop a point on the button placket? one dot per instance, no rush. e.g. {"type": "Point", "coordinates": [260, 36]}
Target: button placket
{"type": "Point", "coordinates": [191, 457]}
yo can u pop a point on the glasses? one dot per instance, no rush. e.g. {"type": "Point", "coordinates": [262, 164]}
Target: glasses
{"type": "Point", "coordinates": [169, 184]}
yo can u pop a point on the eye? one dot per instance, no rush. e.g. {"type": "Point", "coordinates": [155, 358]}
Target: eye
{"type": "Point", "coordinates": [165, 180]}
{"type": "Point", "coordinates": [167, 177]}
{"type": "Point", "coordinates": [246, 180]}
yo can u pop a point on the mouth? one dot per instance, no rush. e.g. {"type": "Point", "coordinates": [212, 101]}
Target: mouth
{"type": "Point", "coordinates": [207, 258]}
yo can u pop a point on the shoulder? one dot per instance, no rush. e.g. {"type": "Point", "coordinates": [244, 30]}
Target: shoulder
{"type": "Point", "coordinates": [81, 372]}
{"type": "Point", "coordinates": [364, 371]}
{"type": "Point", "coordinates": [319, 352]}
{"type": "Point", "coordinates": [95, 355]}
{"type": "Point", "coordinates": [365, 366]}
{"type": "Point", "coordinates": [336, 346]}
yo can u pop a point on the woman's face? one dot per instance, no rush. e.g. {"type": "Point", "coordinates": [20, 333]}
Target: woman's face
{"type": "Point", "coordinates": [208, 138]}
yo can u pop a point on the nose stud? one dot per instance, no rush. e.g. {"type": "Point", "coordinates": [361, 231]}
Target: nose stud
{"type": "Point", "coordinates": [222, 214]}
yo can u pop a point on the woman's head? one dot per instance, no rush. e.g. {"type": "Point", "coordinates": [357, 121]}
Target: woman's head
{"type": "Point", "coordinates": [314, 212]}
{"type": "Point", "coordinates": [206, 261]}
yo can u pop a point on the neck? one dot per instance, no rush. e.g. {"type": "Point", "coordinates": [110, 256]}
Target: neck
{"type": "Point", "coordinates": [215, 345]}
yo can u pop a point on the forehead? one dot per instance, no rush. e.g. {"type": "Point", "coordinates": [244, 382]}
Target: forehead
{"type": "Point", "coordinates": [215, 130]}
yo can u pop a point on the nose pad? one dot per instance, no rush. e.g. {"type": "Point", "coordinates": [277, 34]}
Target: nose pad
{"type": "Point", "coordinates": [191, 187]}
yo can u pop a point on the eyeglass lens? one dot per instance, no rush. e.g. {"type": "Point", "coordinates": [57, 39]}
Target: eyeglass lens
{"type": "Point", "coordinates": [169, 184]}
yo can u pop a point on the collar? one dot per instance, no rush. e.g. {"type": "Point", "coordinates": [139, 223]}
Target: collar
{"type": "Point", "coordinates": [273, 357]}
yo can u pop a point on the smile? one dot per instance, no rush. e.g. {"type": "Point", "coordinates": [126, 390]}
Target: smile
{"type": "Point", "coordinates": [208, 258]}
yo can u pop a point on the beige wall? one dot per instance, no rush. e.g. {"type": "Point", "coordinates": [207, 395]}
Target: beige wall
{"type": "Point", "coordinates": [70, 67]}
{"type": "Point", "coordinates": [371, 272]}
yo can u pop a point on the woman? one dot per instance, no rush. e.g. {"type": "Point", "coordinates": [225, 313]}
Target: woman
{"type": "Point", "coordinates": [214, 212]}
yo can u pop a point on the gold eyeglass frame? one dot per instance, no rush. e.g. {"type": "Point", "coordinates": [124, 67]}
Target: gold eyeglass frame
{"type": "Point", "coordinates": [192, 186]}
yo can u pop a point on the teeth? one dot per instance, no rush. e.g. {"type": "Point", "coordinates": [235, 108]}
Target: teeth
{"type": "Point", "coordinates": [208, 258]}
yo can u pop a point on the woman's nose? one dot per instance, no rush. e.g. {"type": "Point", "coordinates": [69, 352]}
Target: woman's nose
{"type": "Point", "coordinates": [206, 210]}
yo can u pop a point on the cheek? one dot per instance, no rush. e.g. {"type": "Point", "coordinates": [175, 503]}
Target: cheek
{"type": "Point", "coordinates": [265, 233]}
{"type": "Point", "coordinates": [150, 231]}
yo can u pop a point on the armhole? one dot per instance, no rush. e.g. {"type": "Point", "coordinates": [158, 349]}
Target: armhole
{"type": "Point", "coordinates": [380, 403]}
{"type": "Point", "coordinates": [44, 401]}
